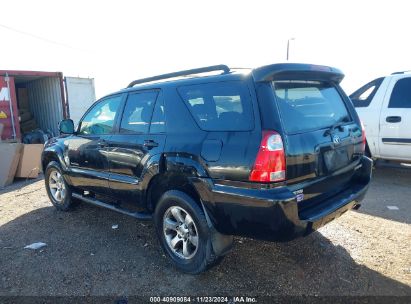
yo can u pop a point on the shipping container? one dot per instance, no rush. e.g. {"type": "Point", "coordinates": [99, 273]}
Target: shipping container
{"type": "Point", "coordinates": [80, 96]}
{"type": "Point", "coordinates": [31, 100]}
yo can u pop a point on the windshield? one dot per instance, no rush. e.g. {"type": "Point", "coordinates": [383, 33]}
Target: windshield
{"type": "Point", "coordinates": [309, 105]}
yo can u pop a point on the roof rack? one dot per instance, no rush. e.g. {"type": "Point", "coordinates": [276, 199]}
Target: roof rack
{"type": "Point", "coordinates": [401, 72]}
{"type": "Point", "coordinates": [220, 67]}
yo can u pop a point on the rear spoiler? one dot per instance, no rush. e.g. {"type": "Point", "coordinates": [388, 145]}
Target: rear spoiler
{"type": "Point", "coordinates": [297, 71]}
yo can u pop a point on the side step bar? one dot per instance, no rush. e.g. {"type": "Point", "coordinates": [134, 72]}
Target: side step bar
{"type": "Point", "coordinates": [95, 202]}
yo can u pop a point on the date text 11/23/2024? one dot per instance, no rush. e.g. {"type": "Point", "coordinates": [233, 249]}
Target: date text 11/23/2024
{"type": "Point", "coordinates": [205, 299]}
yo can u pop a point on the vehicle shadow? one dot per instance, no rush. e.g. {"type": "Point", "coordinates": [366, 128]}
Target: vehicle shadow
{"type": "Point", "coordinates": [389, 188]}
{"type": "Point", "coordinates": [86, 256]}
{"type": "Point", "coordinates": [20, 183]}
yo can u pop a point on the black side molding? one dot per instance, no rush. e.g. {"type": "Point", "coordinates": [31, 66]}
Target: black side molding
{"type": "Point", "coordinates": [397, 141]}
{"type": "Point", "coordinates": [95, 202]}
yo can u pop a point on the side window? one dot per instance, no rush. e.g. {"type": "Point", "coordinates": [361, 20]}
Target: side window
{"type": "Point", "coordinates": [100, 119]}
{"type": "Point", "coordinates": [158, 122]}
{"type": "Point", "coordinates": [137, 112]}
{"type": "Point", "coordinates": [364, 95]}
{"type": "Point", "coordinates": [223, 106]}
{"type": "Point", "coordinates": [401, 94]}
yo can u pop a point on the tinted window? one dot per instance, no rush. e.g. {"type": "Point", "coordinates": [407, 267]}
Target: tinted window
{"type": "Point", "coordinates": [307, 105]}
{"type": "Point", "coordinates": [223, 106]}
{"type": "Point", "coordinates": [364, 95]}
{"type": "Point", "coordinates": [401, 94]}
{"type": "Point", "coordinates": [137, 112]}
{"type": "Point", "coordinates": [158, 122]}
{"type": "Point", "coordinates": [100, 119]}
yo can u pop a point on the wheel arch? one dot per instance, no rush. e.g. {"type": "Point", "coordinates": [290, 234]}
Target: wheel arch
{"type": "Point", "coordinates": [169, 180]}
{"type": "Point", "coordinates": [171, 171]}
{"type": "Point", "coordinates": [162, 183]}
{"type": "Point", "coordinates": [49, 156]}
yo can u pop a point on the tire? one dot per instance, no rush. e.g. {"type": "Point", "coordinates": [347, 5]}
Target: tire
{"type": "Point", "coordinates": [54, 181]}
{"type": "Point", "coordinates": [195, 259]}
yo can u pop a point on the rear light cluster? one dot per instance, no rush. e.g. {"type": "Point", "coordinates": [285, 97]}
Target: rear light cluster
{"type": "Point", "coordinates": [269, 165]}
{"type": "Point", "coordinates": [363, 137]}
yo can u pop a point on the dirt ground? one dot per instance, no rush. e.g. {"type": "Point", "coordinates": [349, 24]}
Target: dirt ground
{"type": "Point", "coordinates": [364, 252]}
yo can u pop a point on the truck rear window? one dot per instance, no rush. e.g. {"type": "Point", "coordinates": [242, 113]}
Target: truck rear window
{"type": "Point", "coordinates": [364, 95]}
{"type": "Point", "coordinates": [309, 105]}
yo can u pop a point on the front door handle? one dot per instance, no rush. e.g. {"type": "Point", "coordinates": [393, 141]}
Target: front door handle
{"type": "Point", "coordinates": [393, 119]}
{"type": "Point", "coordinates": [150, 143]}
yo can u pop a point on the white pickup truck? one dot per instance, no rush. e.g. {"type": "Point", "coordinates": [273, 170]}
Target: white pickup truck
{"type": "Point", "coordinates": [384, 107]}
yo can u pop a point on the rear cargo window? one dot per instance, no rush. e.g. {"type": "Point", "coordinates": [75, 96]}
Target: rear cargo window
{"type": "Point", "coordinates": [224, 106]}
{"type": "Point", "coordinates": [309, 105]}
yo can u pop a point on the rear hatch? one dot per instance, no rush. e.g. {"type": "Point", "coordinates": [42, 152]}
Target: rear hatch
{"type": "Point", "coordinates": [322, 138]}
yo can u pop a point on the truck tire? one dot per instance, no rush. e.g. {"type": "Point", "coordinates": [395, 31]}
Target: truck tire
{"type": "Point", "coordinates": [183, 232]}
{"type": "Point", "coordinates": [57, 188]}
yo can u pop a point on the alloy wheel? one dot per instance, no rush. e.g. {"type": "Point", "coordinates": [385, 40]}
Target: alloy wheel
{"type": "Point", "coordinates": [57, 186]}
{"type": "Point", "coordinates": [180, 232]}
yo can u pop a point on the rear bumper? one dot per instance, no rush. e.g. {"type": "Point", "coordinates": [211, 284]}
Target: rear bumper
{"type": "Point", "coordinates": [273, 214]}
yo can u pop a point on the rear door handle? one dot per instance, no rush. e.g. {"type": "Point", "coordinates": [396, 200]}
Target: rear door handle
{"type": "Point", "coordinates": [150, 143]}
{"type": "Point", "coordinates": [393, 119]}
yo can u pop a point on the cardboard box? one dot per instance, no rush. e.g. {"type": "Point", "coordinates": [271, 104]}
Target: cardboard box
{"type": "Point", "coordinates": [30, 161]}
{"type": "Point", "coordinates": [10, 156]}
{"type": "Point", "coordinates": [22, 98]}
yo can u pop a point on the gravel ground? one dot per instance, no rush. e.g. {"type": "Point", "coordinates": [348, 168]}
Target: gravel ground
{"type": "Point", "coordinates": [365, 252]}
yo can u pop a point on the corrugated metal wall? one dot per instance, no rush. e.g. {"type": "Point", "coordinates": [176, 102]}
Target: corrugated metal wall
{"type": "Point", "coordinates": [45, 103]}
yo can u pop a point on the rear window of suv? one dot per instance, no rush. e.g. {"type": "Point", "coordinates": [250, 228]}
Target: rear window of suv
{"type": "Point", "coordinates": [222, 106]}
{"type": "Point", "coordinates": [309, 105]}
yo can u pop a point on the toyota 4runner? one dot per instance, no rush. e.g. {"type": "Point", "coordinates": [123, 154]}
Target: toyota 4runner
{"type": "Point", "coordinates": [270, 153]}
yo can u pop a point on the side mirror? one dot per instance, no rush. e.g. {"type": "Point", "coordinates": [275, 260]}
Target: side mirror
{"type": "Point", "coordinates": [66, 126]}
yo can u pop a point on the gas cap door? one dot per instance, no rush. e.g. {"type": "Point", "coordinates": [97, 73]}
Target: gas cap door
{"type": "Point", "coordinates": [211, 149]}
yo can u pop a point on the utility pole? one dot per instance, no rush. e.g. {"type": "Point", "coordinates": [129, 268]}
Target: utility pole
{"type": "Point", "coordinates": [288, 47]}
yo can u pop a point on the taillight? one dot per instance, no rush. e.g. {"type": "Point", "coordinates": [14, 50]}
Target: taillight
{"type": "Point", "coordinates": [269, 165]}
{"type": "Point", "coordinates": [363, 137]}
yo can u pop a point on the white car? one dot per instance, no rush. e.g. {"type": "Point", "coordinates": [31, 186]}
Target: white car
{"type": "Point", "coordinates": [384, 107]}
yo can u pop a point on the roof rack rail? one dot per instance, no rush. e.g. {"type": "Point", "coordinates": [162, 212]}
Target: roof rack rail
{"type": "Point", "coordinates": [401, 72]}
{"type": "Point", "coordinates": [220, 67]}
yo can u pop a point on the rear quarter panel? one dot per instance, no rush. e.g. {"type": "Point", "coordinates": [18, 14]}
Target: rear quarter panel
{"type": "Point", "coordinates": [238, 149]}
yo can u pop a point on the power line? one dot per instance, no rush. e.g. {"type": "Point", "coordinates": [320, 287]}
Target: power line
{"type": "Point", "coordinates": [40, 38]}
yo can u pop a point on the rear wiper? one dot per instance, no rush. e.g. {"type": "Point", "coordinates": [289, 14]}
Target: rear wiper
{"type": "Point", "coordinates": [337, 125]}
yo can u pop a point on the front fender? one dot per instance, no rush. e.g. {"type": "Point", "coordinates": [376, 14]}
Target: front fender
{"type": "Point", "coordinates": [54, 151]}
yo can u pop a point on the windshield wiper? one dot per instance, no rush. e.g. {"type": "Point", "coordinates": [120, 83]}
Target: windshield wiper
{"type": "Point", "coordinates": [337, 125]}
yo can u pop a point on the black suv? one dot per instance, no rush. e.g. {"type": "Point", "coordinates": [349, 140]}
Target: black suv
{"type": "Point", "coordinates": [271, 153]}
